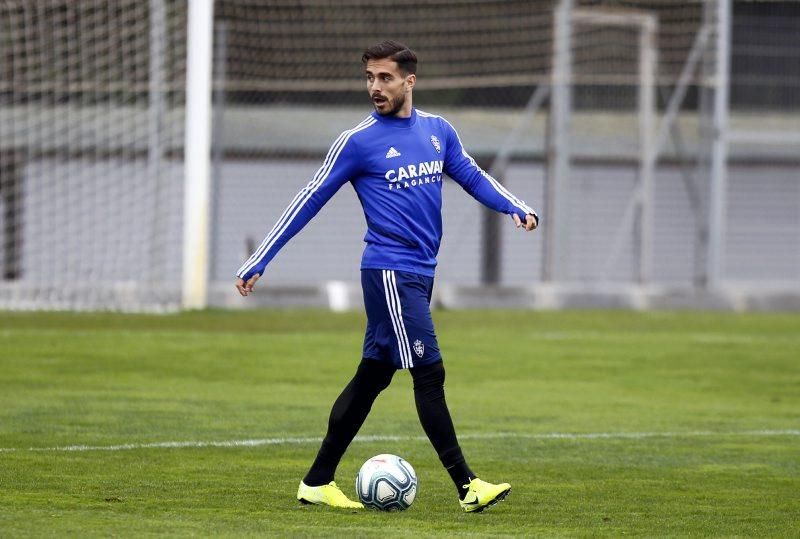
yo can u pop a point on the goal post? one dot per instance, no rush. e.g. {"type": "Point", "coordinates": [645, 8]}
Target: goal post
{"type": "Point", "coordinates": [640, 208]}
{"type": "Point", "coordinates": [696, 61]}
{"type": "Point", "coordinates": [197, 155]}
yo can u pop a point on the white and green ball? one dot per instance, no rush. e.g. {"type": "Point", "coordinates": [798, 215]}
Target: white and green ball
{"type": "Point", "coordinates": [386, 482]}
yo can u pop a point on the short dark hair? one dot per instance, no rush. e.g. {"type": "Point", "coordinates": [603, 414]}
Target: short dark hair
{"type": "Point", "coordinates": [405, 57]}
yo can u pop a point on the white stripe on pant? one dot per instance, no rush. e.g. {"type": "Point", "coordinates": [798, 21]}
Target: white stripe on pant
{"type": "Point", "coordinates": [396, 314]}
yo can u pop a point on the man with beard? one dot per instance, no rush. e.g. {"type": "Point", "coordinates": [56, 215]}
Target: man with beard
{"type": "Point", "coordinates": [395, 159]}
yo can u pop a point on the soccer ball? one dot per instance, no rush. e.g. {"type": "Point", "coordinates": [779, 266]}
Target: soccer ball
{"type": "Point", "coordinates": [386, 482]}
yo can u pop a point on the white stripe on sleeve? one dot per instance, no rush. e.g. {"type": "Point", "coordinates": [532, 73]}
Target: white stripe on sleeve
{"type": "Point", "coordinates": [302, 197]}
{"type": "Point", "coordinates": [501, 190]}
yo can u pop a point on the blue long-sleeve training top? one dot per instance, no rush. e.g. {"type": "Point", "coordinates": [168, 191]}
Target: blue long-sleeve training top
{"type": "Point", "coordinates": [396, 166]}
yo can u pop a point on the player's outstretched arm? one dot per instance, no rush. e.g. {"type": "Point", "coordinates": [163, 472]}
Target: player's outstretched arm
{"type": "Point", "coordinates": [341, 164]}
{"type": "Point", "coordinates": [460, 166]}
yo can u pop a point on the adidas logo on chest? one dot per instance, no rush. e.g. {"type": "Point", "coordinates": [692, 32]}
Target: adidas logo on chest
{"type": "Point", "coordinates": [392, 153]}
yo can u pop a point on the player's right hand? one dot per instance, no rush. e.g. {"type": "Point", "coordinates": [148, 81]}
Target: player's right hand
{"type": "Point", "coordinates": [245, 288]}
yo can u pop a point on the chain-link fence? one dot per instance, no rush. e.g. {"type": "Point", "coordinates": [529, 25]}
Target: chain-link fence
{"type": "Point", "coordinates": [92, 98]}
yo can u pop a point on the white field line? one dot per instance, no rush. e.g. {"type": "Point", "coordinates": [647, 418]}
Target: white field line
{"type": "Point", "coordinates": [380, 438]}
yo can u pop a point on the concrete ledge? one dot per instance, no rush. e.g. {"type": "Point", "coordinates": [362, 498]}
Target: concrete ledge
{"type": "Point", "coordinates": [341, 296]}
{"type": "Point", "coordinates": [347, 296]}
{"type": "Point", "coordinates": [123, 297]}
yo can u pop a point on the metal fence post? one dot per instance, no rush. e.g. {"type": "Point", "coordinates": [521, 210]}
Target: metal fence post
{"type": "Point", "coordinates": [555, 218]}
{"type": "Point", "coordinates": [719, 147]}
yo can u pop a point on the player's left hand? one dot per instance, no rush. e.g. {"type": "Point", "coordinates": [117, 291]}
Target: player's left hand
{"type": "Point", "coordinates": [245, 288]}
{"type": "Point", "coordinates": [531, 222]}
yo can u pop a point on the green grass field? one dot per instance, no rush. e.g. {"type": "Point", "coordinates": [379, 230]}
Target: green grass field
{"type": "Point", "coordinates": [675, 424]}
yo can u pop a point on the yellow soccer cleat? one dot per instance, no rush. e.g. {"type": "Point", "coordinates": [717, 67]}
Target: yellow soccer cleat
{"type": "Point", "coordinates": [482, 495]}
{"type": "Point", "coordinates": [328, 494]}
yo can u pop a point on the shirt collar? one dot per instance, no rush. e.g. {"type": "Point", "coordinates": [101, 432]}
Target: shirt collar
{"type": "Point", "coordinates": [395, 121]}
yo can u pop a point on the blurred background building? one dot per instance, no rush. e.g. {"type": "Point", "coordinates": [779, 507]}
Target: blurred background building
{"type": "Point", "coordinates": [659, 139]}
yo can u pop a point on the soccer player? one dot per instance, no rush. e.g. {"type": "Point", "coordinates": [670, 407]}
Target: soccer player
{"type": "Point", "coordinates": [395, 159]}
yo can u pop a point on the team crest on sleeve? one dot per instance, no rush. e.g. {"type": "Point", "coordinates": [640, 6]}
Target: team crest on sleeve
{"type": "Point", "coordinates": [436, 144]}
{"type": "Point", "coordinates": [419, 348]}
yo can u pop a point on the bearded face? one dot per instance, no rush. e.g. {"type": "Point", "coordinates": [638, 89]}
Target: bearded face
{"type": "Point", "coordinates": [388, 87]}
